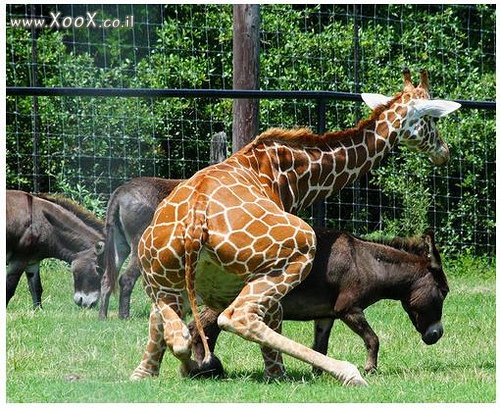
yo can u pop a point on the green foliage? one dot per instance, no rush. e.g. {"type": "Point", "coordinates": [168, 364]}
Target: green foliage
{"type": "Point", "coordinates": [482, 268]}
{"type": "Point", "coordinates": [470, 133]}
{"type": "Point", "coordinates": [80, 193]}
{"type": "Point", "coordinates": [96, 143]}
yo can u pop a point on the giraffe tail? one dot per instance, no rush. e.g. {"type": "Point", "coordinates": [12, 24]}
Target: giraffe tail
{"type": "Point", "coordinates": [195, 237]}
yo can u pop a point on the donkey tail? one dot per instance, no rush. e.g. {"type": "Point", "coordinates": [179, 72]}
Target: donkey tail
{"type": "Point", "coordinates": [112, 230]}
{"type": "Point", "coordinates": [196, 236]}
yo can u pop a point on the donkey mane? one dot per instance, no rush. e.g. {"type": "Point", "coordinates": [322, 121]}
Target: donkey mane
{"type": "Point", "coordinates": [414, 245]}
{"type": "Point", "coordinates": [306, 138]}
{"type": "Point", "coordinates": [76, 209]}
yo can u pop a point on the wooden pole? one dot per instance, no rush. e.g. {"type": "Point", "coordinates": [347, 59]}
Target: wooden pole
{"type": "Point", "coordinates": [36, 116]}
{"type": "Point", "coordinates": [246, 26]}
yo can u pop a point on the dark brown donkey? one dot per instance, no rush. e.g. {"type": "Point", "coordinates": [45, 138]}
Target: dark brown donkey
{"type": "Point", "coordinates": [52, 227]}
{"type": "Point", "coordinates": [350, 274]}
{"type": "Point", "coordinates": [130, 210]}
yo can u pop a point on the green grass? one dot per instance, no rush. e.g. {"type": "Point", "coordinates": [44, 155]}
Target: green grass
{"type": "Point", "coordinates": [65, 354]}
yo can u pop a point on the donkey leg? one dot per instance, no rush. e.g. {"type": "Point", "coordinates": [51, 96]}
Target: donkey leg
{"type": "Point", "coordinates": [245, 317]}
{"type": "Point", "coordinates": [357, 322]}
{"type": "Point", "coordinates": [322, 330]}
{"type": "Point", "coordinates": [121, 250]}
{"type": "Point", "coordinates": [155, 349]}
{"type": "Point", "coordinates": [212, 368]}
{"type": "Point", "coordinates": [35, 285]}
{"type": "Point", "coordinates": [15, 270]}
{"type": "Point", "coordinates": [127, 283]}
{"type": "Point", "coordinates": [105, 295]}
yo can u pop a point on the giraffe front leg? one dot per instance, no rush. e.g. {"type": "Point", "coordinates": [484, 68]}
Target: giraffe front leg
{"type": "Point", "coordinates": [151, 360]}
{"type": "Point", "coordinates": [244, 320]}
{"type": "Point", "coordinates": [245, 317]}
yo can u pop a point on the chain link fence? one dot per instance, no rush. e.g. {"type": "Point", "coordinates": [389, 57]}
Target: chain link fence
{"type": "Point", "coordinates": [87, 145]}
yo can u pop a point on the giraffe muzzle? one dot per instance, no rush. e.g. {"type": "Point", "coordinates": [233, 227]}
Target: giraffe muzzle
{"type": "Point", "coordinates": [442, 157]}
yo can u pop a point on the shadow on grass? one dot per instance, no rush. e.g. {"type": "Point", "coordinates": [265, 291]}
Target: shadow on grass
{"type": "Point", "coordinates": [437, 366]}
{"type": "Point", "coordinates": [258, 376]}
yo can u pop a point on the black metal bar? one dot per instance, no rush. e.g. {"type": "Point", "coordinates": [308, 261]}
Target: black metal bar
{"type": "Point", "coordinates": [321, 115]}
{"type": "Point", "coordinates": [488, 105]}
{"type": "Point", "coordinates": [177, 92]}
{"type": "Point", "coordinates": [204, 93]}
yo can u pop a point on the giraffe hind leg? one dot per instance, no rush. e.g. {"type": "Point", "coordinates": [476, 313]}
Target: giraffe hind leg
{"type": "Point", "coordinates": [155, 349]}
{"type": "Point", "coordinates": [166, 329]}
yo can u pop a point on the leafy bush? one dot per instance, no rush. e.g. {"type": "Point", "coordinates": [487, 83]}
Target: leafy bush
{"type": "Point", "coordinates": [97, 143]}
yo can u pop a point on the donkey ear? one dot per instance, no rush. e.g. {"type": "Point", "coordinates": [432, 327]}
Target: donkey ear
{"type": "Point", "coordinates": [433, 253]}
{"type": "Point", "coordinates": [374, 100]}
{"type": "Point", "coordinates": [436, 108]}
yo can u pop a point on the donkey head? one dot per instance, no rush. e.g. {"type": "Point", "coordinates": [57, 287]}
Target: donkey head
{"type": "Point", "coordinates": [87, 274]}
{"type": "Point", "coordinates": [416, 114]}
{"type": "Point", "coordinates": [424, 303]}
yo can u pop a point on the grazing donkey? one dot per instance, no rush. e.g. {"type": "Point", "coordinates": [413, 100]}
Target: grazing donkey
{"type": "Point", "coordinates": [130, 210]}
{"type": "Point", "coordinates": [40, 227]}
{"type": "Point", "coordinates": [348, 275]}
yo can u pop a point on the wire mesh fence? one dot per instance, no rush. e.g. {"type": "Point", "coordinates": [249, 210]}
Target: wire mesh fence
{"type": "Point", "coordinates": [86, 146]}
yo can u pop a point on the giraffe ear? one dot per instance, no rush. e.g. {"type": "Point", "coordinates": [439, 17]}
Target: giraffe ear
{"type": "Point", "coordinates": [436, 108]}
{"type": "Point", "coordinates": [374, 100]}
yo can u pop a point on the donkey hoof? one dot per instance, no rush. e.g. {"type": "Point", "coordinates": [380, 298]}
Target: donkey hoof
{"type": "Point", "coordinates": [211, 368]}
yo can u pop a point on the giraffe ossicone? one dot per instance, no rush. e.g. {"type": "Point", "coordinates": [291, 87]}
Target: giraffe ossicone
{"type": "Point", "coordinates": [230, 233]}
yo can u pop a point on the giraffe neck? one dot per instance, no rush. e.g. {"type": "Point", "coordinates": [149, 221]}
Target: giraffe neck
{"type": "Point", "coordinates": [301, 168]}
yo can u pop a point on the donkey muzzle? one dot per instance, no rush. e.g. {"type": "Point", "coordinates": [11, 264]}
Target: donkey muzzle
{"type": "Point", "coordinates": [433, 333]}
{"type": "Point", "coordinates": [86, 300]}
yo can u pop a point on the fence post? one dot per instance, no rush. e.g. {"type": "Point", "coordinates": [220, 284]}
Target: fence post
{"type": "Point", "coordinates": [246, 50]}
{"type": "Point", "coordinates": [36, 116]}
{"type": "Point", "coordinates": [357, 183]}
{"type": "Point", "coordinates": [218, 148]}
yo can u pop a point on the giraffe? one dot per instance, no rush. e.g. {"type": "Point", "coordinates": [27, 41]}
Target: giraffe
{"type": "Point", "coordinates": [230, 233]}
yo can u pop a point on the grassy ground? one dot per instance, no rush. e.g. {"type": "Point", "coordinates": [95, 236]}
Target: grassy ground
{"type": "Point", "coordinates": [65, 354]}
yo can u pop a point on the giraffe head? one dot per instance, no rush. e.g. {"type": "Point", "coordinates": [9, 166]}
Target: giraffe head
{"type": "Point", "coordinates": [415, 114]}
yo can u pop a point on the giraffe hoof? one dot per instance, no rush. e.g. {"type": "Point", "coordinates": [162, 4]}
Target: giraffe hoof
{"type": "Point", "coordinates": [140, 374]}
{"type": "Point", "coordinates": [353, 377]}
{"type": "Point", "coordinates": [357, 382]}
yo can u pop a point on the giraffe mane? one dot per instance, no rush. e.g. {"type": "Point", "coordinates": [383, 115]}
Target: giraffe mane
{"type": "Point", "coordinates": [307, 138]}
